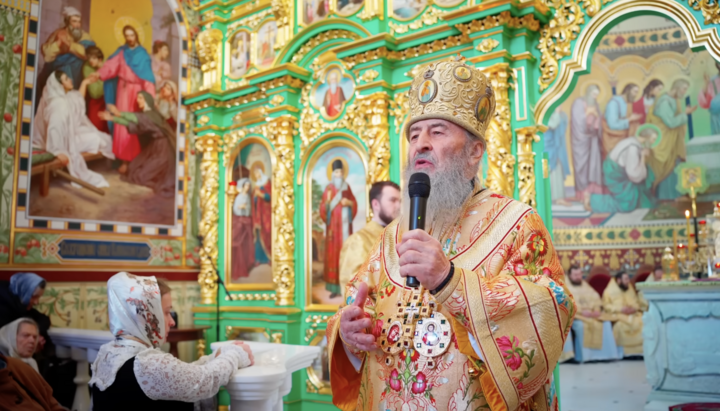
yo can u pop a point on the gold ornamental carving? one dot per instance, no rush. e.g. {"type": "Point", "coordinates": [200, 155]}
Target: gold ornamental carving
{"type": "Point", "coordinates": [501, 163]}
{"type": "Point", "coordinates": [372, 9]}
{"type": "Point", "coordinates": [412, 52]}
{"type": "Point", "coordinates": [209, 48]}
{"type": "Point", "coordinates": [320, 39]}
{"type": "Point", "coordinates": [557, 36]}
{"type": "Point", "coordinates": [210, 146]}
{"type": "Point", "coordinates": [428, 18]}
{"type": "Point", "coordinates": [368, 76]}
{"type": "Point", "coordinates": [710, 10]}
{"type": "Point", "coordinates": [371, 124]}
{"type": "Point", "coordinates": [400, 107]}
{"type": "Point", "coordinates": [527, 21]}
{"type": "Point", "coordinates": [281, 131]}
{"type": "Point", "coordinates": [526, 136]}
{"type": "Point", "coordinates": [487, 45]}
{"type": "Point", "coordinates": [282, 10]}
{"type": "Point", "coordinates": [367, 117]}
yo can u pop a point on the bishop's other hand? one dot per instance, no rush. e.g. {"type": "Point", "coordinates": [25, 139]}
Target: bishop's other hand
{"type": "Point", "coordinates": [354, 323]}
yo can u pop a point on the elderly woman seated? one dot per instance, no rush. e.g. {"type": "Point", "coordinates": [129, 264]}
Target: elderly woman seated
{"type": "Point", "coordinates": [132, 373]}
{"type": "Point", "coordinates": [19, 339]}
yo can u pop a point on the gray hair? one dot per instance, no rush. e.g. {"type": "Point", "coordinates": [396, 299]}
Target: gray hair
{"type": "Point", "coordinates": [471, 138]}
{"type": "Point", "coordinates": [27, 321]}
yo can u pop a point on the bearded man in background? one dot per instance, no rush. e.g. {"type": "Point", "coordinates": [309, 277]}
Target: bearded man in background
{"type": "Point", "coordinates": [491, 282]}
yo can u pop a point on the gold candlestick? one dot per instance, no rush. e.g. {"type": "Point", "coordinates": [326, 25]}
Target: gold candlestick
{"type": "Point", "coordinates": [690, 245]}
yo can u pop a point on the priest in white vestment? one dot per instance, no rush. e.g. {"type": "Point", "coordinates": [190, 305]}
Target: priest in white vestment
{"type": "Point", "coordinates": [62, 128]}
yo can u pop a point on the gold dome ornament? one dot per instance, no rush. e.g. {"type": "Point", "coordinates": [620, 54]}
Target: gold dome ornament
{"type": "Point", "coordinates": [455, 91]}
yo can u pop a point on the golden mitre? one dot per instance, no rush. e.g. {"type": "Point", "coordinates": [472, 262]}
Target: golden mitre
{"type": "Point", "coordinates": [452, 90]}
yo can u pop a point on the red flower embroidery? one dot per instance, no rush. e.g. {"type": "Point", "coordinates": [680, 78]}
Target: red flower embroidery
{"type": "Point", "coordinates": [520, 269]}
{"type": "Point", "coordinates": [394, 381]}
{"type": "Point", "coordinates": [420, 384]}
{"type": "Point", "coordinates": [537, 244]}
{"type": "Point", "coordinates": [413, 354]}
{"type": "Point", "coordinates": [546, 271]}
{"type": "Point", "coordinates": [512, 357]}
{"type": "Point", "coordinates": [493, 195]}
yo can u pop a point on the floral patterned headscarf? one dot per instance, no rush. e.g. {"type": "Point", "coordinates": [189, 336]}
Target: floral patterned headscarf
{"type": "Point", "coordinates": [135, 308]}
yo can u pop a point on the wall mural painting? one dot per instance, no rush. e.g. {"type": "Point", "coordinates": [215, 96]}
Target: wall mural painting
{"type": "Point", "coordinates": [332, 92]}
{"type": "Point", "coordinates": [339, 209]}
{"type": "Point", "coordinates": [407, 9]}
{"type": "Point", "coordinates": [106, 107]}
{"type": "Point", "coordinates": [250, 256]}
{"type": "Point", "coordinates": [265, 44]}
{"type": "Point", "coordinates": [348, 7]}
{"type": "Point", "coordinates": [239, 61]}
{"type": "Point", "coordinates": [314, 10]}
{"type": "Point", "coordinates": [649, 105]}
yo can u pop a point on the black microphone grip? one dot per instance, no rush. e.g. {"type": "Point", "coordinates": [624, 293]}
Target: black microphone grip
{"type": "Point", "coordinates": [418, 207]}
{"type": "Point", "coordinates": [419, 190]}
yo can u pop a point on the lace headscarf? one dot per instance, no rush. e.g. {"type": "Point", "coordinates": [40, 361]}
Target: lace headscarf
{"type": "Point", "coordinates": [134, 310]}
{"type": "Point", "coordinates": [8, 341]}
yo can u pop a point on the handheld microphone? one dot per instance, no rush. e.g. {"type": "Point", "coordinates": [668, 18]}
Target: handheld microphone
{"type": "Point", "coordinates": [419, 189]}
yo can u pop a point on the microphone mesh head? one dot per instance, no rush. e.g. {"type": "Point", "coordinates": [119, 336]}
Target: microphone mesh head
{"type": "Point", "coordinates": [419, 185]}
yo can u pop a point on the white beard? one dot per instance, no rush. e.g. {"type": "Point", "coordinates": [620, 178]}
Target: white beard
{"type": "Point", "coordinates": [333, 87]}
{"type": "Point", "coordinates": [449, 191]}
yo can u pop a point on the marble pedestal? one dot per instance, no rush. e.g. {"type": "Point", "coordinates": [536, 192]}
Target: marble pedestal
{"type": "Point", "coordinates": [681, 332]}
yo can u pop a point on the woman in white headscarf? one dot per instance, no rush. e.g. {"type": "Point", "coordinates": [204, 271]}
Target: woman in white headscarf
{"type": "Point", "coordinates": [132, 373]}
{"type": "Point", "coordinates": [19, 339]}
{"type": "Point", "coordinates": [61, 127]}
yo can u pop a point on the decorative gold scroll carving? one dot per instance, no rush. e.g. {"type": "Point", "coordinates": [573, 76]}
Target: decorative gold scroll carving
{"type": "Point", "coordinates": [281, 132]}
{"type": "Point", "coordinates": [710, 10]}
{"type": "Point", "coordinates": [372, 9]}
{"type": "Point", "coordinates": [251, 21]}
{"type": "Point", "coordinates": [371, 124]}
{"type": "Point", "coordinates": [556, 37]}
{"type": "Point", "coordinates": [200, 348]}
{"type": "Point", "coordinates": [209, 47]}
{"type": "Point", "coordinates": [428, 18]}
{"type": "Point", "coordinates": [421, 50]}
{"type": "Point", "coordinates": [282, 9]}
{"type": "Point", "coordinates": [501, 171]}
{"type": "Point", "coordinates": [210, 146]}
{"type": "Point", "coordinates": [314, 321]}
{"type": "Point", "coordinates": [367, 117]}
{"type": "Point", "coordinates": [369, 75]}
{"type": "Point", "coordinates": [487, 45]}
{"type": "Point", "coordinates": [527, 21]}
{"type": "Point", "coordinates": [526, 162]}
{"type": "Point", "coordinates": [320, 39]}
{"type": "Point", "coordinates": [400, 108]}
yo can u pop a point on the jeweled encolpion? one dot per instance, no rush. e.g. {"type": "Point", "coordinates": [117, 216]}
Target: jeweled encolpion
{"type": "Point", "coordinates": [491, 329]}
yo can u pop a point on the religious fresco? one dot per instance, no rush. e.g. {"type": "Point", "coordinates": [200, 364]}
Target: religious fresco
{"type": "Point", "coordinates": [120, 89]}
{"type": "Point", "coordinates": [348, 7]}
{"type": "Point", "coordinates": [339, 208]}
{"type": "Point", "coordinates": [250, 222]}
{"type": "Point", "coordinates": [407, 9]}
{"type": "Point", "coordinates": [649, 105]}
{"type": "Point", "coordinates": [265, 44]}
{"type": "Point", "coordinates": [331, 94]}
{"type": "Point", "coordinates": [239, 51]}
{"type": "Point", "coordinates": [314, 10]}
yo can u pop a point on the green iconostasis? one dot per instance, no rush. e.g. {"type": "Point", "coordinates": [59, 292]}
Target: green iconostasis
{"type": "Point", "coordinates": [265, 97]}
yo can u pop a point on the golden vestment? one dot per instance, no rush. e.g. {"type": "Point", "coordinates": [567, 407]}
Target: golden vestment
{"type": "Point", "coordinates": [587, 299]}
{"type": "Point", "coordinates": [627, 329]}
{"type": "Point", "coordinates": [507, 293]}
{"type": "Point", "coordinates": [356, 249]}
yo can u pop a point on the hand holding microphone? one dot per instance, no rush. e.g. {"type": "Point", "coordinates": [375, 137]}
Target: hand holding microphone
{"type": "Point", "coordinates": [422, 260]}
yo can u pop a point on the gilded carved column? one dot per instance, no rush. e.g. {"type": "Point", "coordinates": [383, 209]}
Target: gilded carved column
{"type": "Point", "coordinates": [210, 146]}
{"type": "Point", "coordinates": [372, 8]}
{"type": "Point", "coordinates": [526, 162]}
{"type": "Point", "coordinates": [209, 47]}
{"type": "Point", "coordinates": [501, 171]}
{"type": "Point", "coordinates": [375, 131]}
{"type": "Point", "coordinates": [283, 12]}
{"type": "Point", "coordinates": [281, 132]}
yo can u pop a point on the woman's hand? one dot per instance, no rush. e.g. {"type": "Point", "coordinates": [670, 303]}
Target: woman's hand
{"type": "Point", "coordinates": [104, 115]}
{"type": "Point", "coordinates": [247, 349]}
{"type": "Point", "coordinates": [113, 109]}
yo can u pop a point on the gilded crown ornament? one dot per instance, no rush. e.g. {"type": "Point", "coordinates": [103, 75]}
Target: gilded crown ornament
{"type": "Point", "coordinates": [455, 91]}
